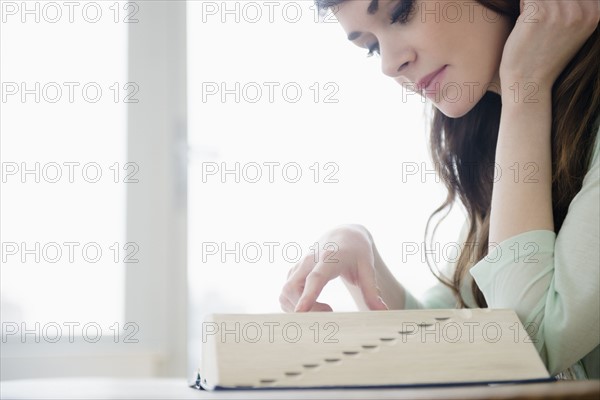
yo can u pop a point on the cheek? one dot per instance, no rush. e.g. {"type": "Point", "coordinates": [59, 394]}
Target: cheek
{"type": "Point", "coordinates": [473, 43]}
{"type": "Point", "coordinates": [474, 51]}
{"type": "Point", "coordinates": [483, 47]}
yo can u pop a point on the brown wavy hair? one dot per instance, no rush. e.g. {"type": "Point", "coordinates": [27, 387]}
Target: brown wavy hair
{"type": "Point", "coordinates": [463, 149]}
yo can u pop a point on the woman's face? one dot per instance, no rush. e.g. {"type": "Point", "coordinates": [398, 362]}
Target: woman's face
{"type": "Point", "coordinates": [462, 39]}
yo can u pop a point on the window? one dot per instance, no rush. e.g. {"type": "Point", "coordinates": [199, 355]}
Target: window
{"type": "Point", "coordinates": [63, 167]}
{"type": "Point", "coordinates": [291, 132]}
{"type": "Point", "coordinates": [84, 128]}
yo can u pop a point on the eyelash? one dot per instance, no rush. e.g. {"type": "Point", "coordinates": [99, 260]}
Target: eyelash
{"type": "Point", "coordinates": [400, 14]}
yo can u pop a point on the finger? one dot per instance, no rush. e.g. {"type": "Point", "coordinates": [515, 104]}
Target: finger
{"type": "Point", "coordinates": [314, 284]}
{"type": "Point", "coordinates": [321, 307]}
{"type": "Point", "coordinates": [286, 304]}
{"type": "Point", "coordinates": [294, 269]}
{"type": "Point", "coordinates": [304, 267]}
{"type": "Point", "coordinates": [297, 279]}
{"type": "Point", "coordinates": [367, 283]}
{"type": "Point", "coordinates": [289, 306]}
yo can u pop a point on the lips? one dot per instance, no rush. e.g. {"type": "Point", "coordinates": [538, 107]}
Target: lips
{"type": "Point", "coordinates": [426, 80]}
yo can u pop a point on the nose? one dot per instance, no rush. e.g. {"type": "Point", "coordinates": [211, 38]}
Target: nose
{"type": "Point", "coordinates": [394, 61]}
{"type": "Point", "coordinates": [393, 67]}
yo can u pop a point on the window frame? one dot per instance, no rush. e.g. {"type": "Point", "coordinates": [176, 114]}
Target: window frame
{"type": "Point", "coordinates": [156, 219]}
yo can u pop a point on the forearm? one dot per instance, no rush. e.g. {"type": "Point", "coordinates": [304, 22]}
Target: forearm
{"type": "Point", "coordinates": [522, 191]}
{"type": "Point", "coordinates": [391, 291]}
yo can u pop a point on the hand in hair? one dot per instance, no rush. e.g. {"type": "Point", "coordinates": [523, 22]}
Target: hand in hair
{"type": "Point", "coordinates": [547, 35]}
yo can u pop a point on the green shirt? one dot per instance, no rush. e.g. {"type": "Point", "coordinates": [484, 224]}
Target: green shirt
{"type": "Point", "coordinates": [552, 281]}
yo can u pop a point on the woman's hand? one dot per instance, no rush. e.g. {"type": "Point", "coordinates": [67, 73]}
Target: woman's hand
{"type": "Point", "coordinates": [347, 252]}
{"type": "Point", "coordinates": [547, 35]}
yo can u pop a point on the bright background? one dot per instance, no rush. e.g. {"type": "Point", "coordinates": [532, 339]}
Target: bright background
{"type": "Point", "coordinates": [373, 132]}
{"type": "Point", "coordinates": [359, 125]}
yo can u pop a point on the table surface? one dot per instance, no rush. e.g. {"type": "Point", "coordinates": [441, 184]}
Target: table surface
{"type": "Point", "coordinates": [162, 388]}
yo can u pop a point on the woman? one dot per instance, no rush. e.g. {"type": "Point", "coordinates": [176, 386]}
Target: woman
{"type": "Point", "coordinates": [513, 84]}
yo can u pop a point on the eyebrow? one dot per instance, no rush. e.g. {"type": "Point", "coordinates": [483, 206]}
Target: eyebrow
{"type": "Point", "coordinates": [372, 9]}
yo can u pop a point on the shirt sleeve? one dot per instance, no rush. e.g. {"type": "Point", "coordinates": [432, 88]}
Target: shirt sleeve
{"type": "Point", "coordinates": [552, 281]}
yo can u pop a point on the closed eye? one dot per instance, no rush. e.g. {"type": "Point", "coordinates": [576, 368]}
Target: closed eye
{"type": "Point", "coordinates": [402, 12]}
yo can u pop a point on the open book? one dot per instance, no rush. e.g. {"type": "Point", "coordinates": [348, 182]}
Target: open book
{"type": "Point", "coordinates": [367, 349]}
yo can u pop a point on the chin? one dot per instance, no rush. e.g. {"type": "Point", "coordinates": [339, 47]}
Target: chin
{"type": "Point", "coordinates": [456, 104]}
{"type": "Point", "coordinates": [454, 110]}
